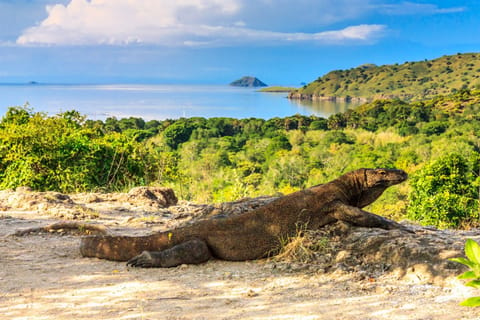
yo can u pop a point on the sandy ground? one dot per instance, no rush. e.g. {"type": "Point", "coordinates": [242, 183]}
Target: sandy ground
{"type": "Point", "coordinates": [43, 276]}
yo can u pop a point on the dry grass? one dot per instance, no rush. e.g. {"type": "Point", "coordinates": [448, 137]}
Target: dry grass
{"type": "Point", "coordinates": [303, 247]}
{"type": "Point", "coordinates": [378, 139]}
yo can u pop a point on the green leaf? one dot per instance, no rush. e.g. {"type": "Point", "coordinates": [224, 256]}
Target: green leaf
{"type": "Point", "coordinates": [471, 302]}
{"type": "Point", "coordinates": [467, 275]}
{"type": "Point", "coordinates": [464, 261]}
{"type": "Point", "coordinates": [473, 283]}
{"type": "Point", "coordinates": [472, 250]}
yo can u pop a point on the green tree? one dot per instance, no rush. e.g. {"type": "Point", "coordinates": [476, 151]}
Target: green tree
{"type": "Point", "coordinates": [177, 133]}
{"type": "Point", "coordinates": [277, 143]}
{"type": "Point", "coordinates": [321, 124]}
{"type": "Point", "coordinates": [17, 115]}
{"type": "Point", "coordinates": [60, 153]}
{"type": "Point", "coordinates": [434, 128]}
{"type": "Point", "coordinates": [443, 193]}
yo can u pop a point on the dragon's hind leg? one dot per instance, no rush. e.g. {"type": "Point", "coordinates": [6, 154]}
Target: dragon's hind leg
{"type": "Point", "coordinates": [190, 252]}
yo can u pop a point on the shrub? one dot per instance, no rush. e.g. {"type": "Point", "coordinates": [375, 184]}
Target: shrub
{"type": "Point", "coordinates": [59, 153]}
{"type": "Point", "coordinates": [434, 127]}
{"type": "Point", "coordinates": [338, 137]}
{"type": "Point", "coordinates": [443, 193]}
{"type": "Point", "coordinates": [177, 133]}
{"type": "Point", "coordinates": [319, 125]}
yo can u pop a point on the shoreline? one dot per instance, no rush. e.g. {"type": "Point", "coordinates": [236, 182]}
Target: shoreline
{"type": "Point", "coordinates": [313, 97]}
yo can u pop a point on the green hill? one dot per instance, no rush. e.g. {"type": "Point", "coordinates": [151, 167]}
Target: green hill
{"type": "Point", "coordinates": [409, 81]}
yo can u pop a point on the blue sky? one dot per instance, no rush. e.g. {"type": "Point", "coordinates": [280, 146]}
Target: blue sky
{"type": "Point", "coordinates": [216, 41]}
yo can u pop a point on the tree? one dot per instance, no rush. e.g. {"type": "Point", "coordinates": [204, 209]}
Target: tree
{"type": "Point", "coordinates": [63, 154]}
{"type": "Point", "coordinates": [177, 133]}
{"type": "Point", "coordinates": [434, 128]}
{"type": "Point", "coordinates": [131, 123]}
{"type": "Point", "coordinates": [321, 124]}
{"type": "Point", "coordinates": [444, 193]}
{"type": "Point", "coordinates": [278, 143]}
{"type": "Point", "coordinates": [337, 121]}
{"type": "Point", "coordinates": [17, 115]}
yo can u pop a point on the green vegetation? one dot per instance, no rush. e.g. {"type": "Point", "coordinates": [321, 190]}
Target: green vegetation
{"type": "Point", "coordinates": [472, 251]}
{"type": "Point", "coordinates": [277, 89]}
{"type": "Point", "coordinates": [445, 192]}
{"type": "Point", "coordinates": [409, 81]}
{"type": "Point", "coordinates": [63, 153]}
{"type": "Point", "coordinates": [222, 159]}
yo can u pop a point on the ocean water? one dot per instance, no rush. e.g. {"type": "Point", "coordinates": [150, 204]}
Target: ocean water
{"type": "Point", "coordinates": [160, 101]}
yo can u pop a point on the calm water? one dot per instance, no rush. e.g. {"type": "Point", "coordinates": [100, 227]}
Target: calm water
{"type": "Point", "coordinates": [160, 101]}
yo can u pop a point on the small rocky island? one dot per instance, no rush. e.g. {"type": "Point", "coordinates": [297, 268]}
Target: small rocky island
{"type": "Point", "coordinates": [248, 82]}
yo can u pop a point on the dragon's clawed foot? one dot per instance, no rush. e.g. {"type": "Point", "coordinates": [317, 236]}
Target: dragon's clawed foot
{"type": "Point", "coordinates": [143, 260]}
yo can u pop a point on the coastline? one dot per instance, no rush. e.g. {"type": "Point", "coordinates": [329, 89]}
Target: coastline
{"type": "Point", "coordinates": [303, 96]}
{"type": "Point", "coordinates": [342, 99]}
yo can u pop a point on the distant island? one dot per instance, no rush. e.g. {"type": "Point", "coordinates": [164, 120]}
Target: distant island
{"type": "Point", "coordinates": [410, 81]}
{"type": "Point", "coordinates": [248, 82]}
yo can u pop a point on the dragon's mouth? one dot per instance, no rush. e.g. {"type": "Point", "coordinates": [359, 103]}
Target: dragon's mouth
{"type": "Point", "coordinates": [393, 181]}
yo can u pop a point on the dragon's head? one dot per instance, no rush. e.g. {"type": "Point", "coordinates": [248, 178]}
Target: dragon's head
{"type": "Point", "coordinates": [373, 182]}
{"type": "Point", "coordinates": [384, 177]}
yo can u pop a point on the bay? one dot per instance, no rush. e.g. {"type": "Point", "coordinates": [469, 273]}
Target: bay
{"type": "Point", "coordinates": [160, 101]}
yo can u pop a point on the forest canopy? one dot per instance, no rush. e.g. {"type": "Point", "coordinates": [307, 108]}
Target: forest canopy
{"type": "Point", "coordinates": [222, 159]}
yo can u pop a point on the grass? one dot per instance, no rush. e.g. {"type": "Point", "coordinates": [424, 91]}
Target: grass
{"type": "Point", "coordinates": [277, 89]}
{"type": "Point", "coordinates": [302, 247]}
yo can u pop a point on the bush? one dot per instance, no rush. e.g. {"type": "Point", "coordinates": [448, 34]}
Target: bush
{"type": "Point", "coordinates": [434, 128]}
{"type": "Point", "coordinates": [338, 137]}
{"type": "Point", "coordinates": [443, 193]}
{"type": "Point", "coordinates": [177, 133]}
{"type": "Point", "coordinates": [319, 125]}
{"type": "Point", "coordinates": [59, 153]}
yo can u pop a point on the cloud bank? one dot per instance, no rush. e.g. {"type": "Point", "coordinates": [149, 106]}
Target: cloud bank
{"type": "Point", "coordinates": [197, 23]}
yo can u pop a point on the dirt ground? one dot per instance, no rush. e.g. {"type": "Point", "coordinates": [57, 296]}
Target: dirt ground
{"type": "Point", "coordinates": [43, 276]}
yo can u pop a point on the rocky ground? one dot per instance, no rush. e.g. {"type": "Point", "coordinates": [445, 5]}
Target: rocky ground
{"type": "Point", "coordinates": [338, 272]}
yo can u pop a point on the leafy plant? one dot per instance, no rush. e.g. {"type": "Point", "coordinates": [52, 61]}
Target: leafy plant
{"type": "Point", "coordinates": [472, 251]}
{"type": "Point", "coordinates": [443, 193]}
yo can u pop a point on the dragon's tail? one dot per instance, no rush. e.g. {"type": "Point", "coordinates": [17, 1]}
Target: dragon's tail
{"type": "Point", "coordinates": [122, 248]}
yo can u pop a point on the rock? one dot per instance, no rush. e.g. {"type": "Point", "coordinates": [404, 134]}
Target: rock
{"type": "Point", "coordinates": [422, 256]}
{"type": "Point", "coordinates": [92, 198]}
{"type": "Point", "coordinates": [23, 189]}
{"type": "Point", "coordinates": [154, 196]}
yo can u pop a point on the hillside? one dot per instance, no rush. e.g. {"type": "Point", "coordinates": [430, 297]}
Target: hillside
{"type": "Point", "coordinates": [409, 81]}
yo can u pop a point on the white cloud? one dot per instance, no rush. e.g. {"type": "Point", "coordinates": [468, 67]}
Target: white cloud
{"type": "Point", "coordinates": [187, 23]}
{"type": "Point", "coordinates": [412, 8]}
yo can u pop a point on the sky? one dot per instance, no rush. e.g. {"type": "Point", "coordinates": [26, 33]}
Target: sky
{"type": "Point", "coordinates": [282, 42]}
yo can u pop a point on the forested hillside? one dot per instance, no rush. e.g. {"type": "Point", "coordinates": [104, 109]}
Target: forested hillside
{"type": "Point", "coordinates": [407, 81]}
{"type": "Point", "coordinates": [221, 159]}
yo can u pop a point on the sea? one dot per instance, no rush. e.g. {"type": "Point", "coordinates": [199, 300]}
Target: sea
{"type": "Point", "coordinates": [160, 102]}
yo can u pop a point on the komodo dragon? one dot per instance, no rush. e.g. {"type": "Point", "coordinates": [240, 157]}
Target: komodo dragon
{"type": "Point", "coordinates": [257, 233]}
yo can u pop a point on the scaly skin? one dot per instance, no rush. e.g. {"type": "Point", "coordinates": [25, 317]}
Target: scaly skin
{"type": "Point", "coordinates": [255, 234]}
